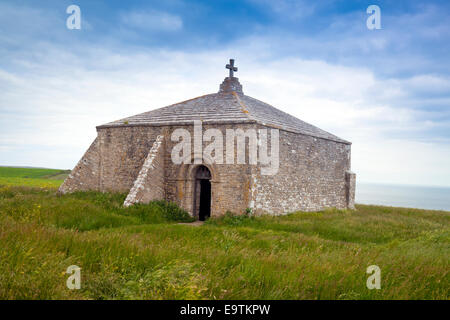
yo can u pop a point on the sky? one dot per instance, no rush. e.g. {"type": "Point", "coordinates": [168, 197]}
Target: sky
{"type": "Point", "coordinates": [386, 90]}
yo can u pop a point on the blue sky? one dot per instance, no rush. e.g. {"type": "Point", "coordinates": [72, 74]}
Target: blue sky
{"type": "Point", "coordinates": [387, 91]}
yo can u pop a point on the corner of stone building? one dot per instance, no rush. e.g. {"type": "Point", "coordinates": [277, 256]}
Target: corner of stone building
{"type": "Point", "coordinates": [150, 182]}
{"type": "Point", "coordinates": [350, 184]}
{"type": "Point", "coordinates": [85, 175]}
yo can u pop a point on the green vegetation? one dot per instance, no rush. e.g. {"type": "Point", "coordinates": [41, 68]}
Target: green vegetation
{"type": "Point", "coordinates": [142, 252]}
{"type": "Point", "coordinates": [32, 177]}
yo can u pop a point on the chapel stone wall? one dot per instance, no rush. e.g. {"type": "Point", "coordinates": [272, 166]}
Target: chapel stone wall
{"type": "Point", "coordinates": [230, 184]}
{"type": "Point", "coordinates": [122, 154]}
{"type": "Point", "coordinates": [311, 176]}
{"type": "Point", "coordinates": [313, 173]}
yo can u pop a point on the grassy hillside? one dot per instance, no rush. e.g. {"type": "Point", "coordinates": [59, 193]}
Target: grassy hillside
{"type": "Point", "coordinates": [32, 177]}
{"type": "Point", "coordinates": [142, 252]}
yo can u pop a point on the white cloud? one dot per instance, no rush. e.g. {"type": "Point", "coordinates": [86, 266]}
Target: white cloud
{"type": "Point", "coordinates": [401, 161]}
{"type": "Point", "coordinates": [52, 100]}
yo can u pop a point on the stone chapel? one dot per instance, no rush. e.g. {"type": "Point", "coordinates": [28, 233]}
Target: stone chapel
{"type": "Point", "coordinates": [146, 157]}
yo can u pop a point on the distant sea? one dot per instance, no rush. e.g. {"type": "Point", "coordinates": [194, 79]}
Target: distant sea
{"type": "Point", "coordinates": [434, 198]}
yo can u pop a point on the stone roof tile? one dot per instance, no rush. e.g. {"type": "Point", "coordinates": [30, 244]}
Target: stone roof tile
{"type": "Point", "coordinates": [229, 105]}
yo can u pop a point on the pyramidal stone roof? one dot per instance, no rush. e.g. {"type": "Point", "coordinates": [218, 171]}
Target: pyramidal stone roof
{"type": "Point", "coordinates": [229, 105]}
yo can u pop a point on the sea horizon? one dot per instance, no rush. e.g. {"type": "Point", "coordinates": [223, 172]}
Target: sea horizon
{"type": "Point", "coordinates": [408, 196]}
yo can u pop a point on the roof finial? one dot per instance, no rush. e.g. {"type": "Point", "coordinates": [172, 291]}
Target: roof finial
{"type": "Point", "coordinates": [231, 67]}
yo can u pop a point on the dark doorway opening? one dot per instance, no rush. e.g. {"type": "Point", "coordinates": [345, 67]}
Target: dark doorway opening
{"type": "Point", "coordinates": [203, 193]}
{"type": "Point", "coordinates": [205, 200]}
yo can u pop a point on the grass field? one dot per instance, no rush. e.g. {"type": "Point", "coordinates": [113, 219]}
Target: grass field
{"type": "Point", "coordinates": [33, 177]}
{"type": "Point", "coordinates": [142, 252]}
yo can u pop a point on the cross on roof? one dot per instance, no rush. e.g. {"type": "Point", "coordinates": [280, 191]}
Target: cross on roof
{"type": "Point", "coordinates": [231, 67]}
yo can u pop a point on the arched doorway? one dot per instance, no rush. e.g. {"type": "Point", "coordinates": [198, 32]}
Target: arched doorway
{"type": "Point", "coordinates": [202, 193]}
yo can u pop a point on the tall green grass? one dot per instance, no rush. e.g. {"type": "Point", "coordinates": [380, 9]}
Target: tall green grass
{"type": "Point", "coordinates": [83, 211]}
{"type": "Point", "coordinates": [142, 252]}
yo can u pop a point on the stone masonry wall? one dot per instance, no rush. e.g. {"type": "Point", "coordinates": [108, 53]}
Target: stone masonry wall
{"type": "Point", "coordinates": [86, 174]}
{"type": "Point", "coordinates": [150, 183]}
{"type": "Point", "coordinates": [311, 176]}
{"type": "Point", "coordinates": [113, 161]}
{"type": "Point", "coordinates": [123, 151]}
{"type": "Point", "coordinates": [230, 184]}
{"type": "Point", "coordinates": [350, 180]}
